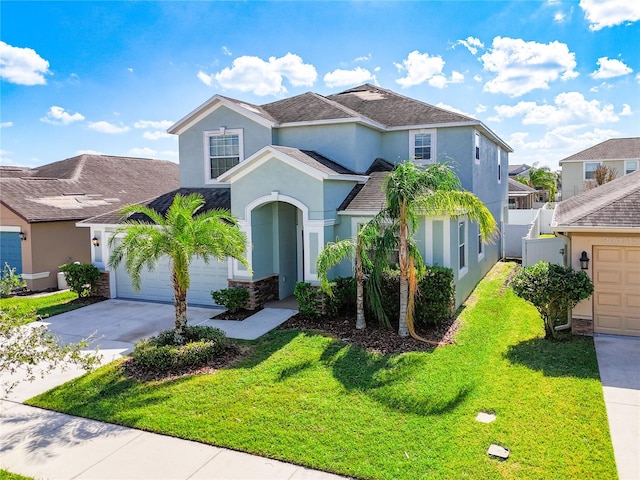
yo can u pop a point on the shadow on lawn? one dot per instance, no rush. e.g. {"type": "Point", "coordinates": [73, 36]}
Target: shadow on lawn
{"type": "Point", "coordinates": [573, 357]}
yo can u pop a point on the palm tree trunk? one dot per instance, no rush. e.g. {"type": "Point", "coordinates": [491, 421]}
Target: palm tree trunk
{"type": "Point", "coordinates": [403, 257]}
{"type": "Point", "coordinates": [361, 323]}
{"type": "Point", "coordinates": [180, 304]}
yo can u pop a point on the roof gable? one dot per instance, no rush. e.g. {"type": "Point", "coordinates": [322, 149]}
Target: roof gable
{"type": "Point", "coordinates": [612, 149]}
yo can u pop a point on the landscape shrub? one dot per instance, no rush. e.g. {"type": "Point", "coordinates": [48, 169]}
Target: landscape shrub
{"type": "Point", "coordinates": [10, 281]}
{"type": "Point", "coordinates": [161, 354]}
{"type": "Point", "coordinates": [553, 289]}
{"type": "Point", "coordinates": [434, 300]}
{"type": "Point", "coordinates": [233, 299]}
{"type": "Point", "coordinates": [343, 300]}
{"type": "Point", "coordinates": [81, 277]}
{"type": "Point", "coordinates": [309, 299]}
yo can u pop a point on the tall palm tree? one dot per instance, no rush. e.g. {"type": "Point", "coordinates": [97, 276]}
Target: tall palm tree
{"type": "Point", "coordinates": [541, 178]}
{"type": "Point", "coordinates": [181, 234]}
{"type": "Point", "coordinates": [413, 192]}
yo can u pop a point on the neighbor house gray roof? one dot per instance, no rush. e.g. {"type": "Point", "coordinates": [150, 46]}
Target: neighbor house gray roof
{"type": "Point", "coordinates": [615, 204]}
{"type": "Point", "coordinates": [84, 186]}
{"type": "Point", "coordinates": [612, 149]}
{"type": "Point", "coordinates": [516, 186]}
{"type": "Point", "coordinates": [214, 198]}
{"type": "Point", "coordinates": [515, 170]}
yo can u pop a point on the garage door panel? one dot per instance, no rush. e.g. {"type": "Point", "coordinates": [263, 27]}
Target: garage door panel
{"type": "Point", "coordinates": [616, 299]}
{"type": "Point", "coordinates": [155, 285]}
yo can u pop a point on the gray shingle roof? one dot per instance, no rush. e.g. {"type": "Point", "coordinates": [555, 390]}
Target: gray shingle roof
{"type": "Point", "coordinates": [307, 107]}
{"type": "Point", "coordinates": [612, 149]}
{"type": "Point", "coordinates": [614, 204]}
{"type": "Point", "coordinates": [84, 186]}
{"type": "Point", "coordinates": [516, 186]}
{"type": "Point", "coordinates": [214, 198]}
{"type": "Point", "coordinates": [315, 160]}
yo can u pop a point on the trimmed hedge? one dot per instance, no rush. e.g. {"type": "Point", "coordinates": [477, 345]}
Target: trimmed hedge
{"type": "Point", "coordinates": [160, 354]}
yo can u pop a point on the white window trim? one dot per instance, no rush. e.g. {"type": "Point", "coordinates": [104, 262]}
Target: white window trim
{"type": "Point", "coordinates": [584, 170]}
{"type": "Point", "coordinates": [630, 161]}
{"type": "Point", "coordinates": [207, 159]}
{"type": "Point", "coordinates": [412, 144]}
{"type": "Point", "coordinates": [463, 271]}
{"type": "Point", "coordinates": [476, 147]}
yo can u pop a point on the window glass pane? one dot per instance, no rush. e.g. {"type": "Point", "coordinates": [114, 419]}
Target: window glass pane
{"type": "Point", "coordinates": [224, 153]}
{"type": "Point", "coordinates": [589, 170]}
{"type": "Point", "coordinates": [461, 248]}
{"type": "Point", "coordinates": [422, 146]}
{"type": "Point", "coordinates": [630, 166]}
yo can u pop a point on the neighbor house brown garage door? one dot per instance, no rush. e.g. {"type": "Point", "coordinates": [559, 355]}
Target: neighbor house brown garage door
{"type": "Point", "coordinates": [616, 298]}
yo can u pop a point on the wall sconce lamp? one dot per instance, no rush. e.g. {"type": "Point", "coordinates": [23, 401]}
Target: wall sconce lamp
{"type": "Point", "coordinates": [584, 261]}
{"type": "Point", "coordinates": [23, 236]}
{"type": "Point", "coordinates": [95, 241]}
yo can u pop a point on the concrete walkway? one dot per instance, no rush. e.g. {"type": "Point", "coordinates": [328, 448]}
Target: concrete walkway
{"type": "Point", "coordinates": [619, 365]}
{"type": "Point", "coordinates": [51, 445]}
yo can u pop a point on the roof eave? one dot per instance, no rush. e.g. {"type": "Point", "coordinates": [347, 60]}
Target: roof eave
{"type": "Point", "coordinates": [594, 229]}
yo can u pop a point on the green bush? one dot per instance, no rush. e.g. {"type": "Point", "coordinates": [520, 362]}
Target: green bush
{"type": "Point", "coordinates": [434, 300]}
{"type": "Point", "coordinates": [231, 298]}
{"type": "Point", "coordinates": [81, 277]}
{"type": "Point", "coordinates": [309, 300]}
{"type": "Point", "coordinates": [344, 296]}
{"type": "Point", "coordinates": [553, 289]}
{"type": "Point", "coordinates": [10, 281]}
{"type": "Point", "coordinates": [160, 354]}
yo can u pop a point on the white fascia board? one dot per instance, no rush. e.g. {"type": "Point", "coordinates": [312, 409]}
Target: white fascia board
{"type": "Point", "coordinates": [364, 121]}
{"type": "Point", "coordinates": [98, 226]}
{"type": "Point", "coordinates": [579, 229]}
{"type": "Point", "coordinates": [211, 106]}
{"type": "Point", "coordinates": [359, 213]}
{"type": "Point", "coordinates": [261, 157]}
{"type": "Point", "coordinates": [595, 160]}
{"type": "Point", "coordinates": [349, 178]}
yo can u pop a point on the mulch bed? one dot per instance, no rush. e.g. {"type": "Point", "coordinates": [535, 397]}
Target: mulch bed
{"type": "Point", "coordinates": [375, 338]}
{"type": "Point", "coordinates": [240, 315]}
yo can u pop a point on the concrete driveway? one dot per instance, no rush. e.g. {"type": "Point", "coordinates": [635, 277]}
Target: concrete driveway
{"type": "Point", "coordinates": [619, 364]}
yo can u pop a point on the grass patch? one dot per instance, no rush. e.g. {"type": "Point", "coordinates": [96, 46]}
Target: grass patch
{"type": "Point", "coordinates": [4, 475]}
{"type": "Point", "coordinates": [45, 305]}
{"type": "Point", "coordinates": [309, 399]}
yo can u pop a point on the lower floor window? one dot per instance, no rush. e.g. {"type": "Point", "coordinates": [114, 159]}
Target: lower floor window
{"type": "Point", "coordinates": [462, 257]}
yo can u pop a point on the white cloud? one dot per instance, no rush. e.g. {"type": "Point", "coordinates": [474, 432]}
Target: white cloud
{"type": "Point", "coordinates": [521, 67]}
{"type": "Point", "coordinates": [477, 78]}
{"type": "Point", "coordinates": [6, 124]}
{"type": "Point", "coordinates": [206, 79]}
{"type": "Point", "coordinates": [377, 69]}
{"type": "Point", "coordinates": [364, 58]}
{"type": "Point", "coordinates": [106, 127]}
{"type": "Point", "coordinates": [609, 68]}
{"type": "Point", "coordinates": [252, 74]}
{"type": "Point", "coordinates": [89, 152]}
{"type": "Point", "coordinates": [456, 77]}
{"type": "Point", "coordinates": [559, 17]}
{"type": "Point", "coordinates": [341, 78]}
{"type": "Point", "coordinates": [226, 51]}
{"type": "Point", "coordinates": [471, 43]}
{"type": "Point", "coordinates": [58, 116]}
{"type": "Point", "coordinates": [608, 13]}
{"type": "Point", "coordinates": [22, 66]}
{"type": "Point", "coordinates": [144, 152]}
{"type": "Point", "coordinates": [156, 135]}
{"type": "Point", "coordinates": [162, 124]}
{"type": "Point", "coordinates": [130, 70]}
{"type": "Point", "coordinates": [481, 108]}
{"type": "Point", "coordinates": [626, 110]}
{"type": "Point", "coordinates": [570, 109]}
{"type": "Point", "coordinates": [420, 68]}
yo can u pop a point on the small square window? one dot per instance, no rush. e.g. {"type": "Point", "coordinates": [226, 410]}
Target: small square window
{"type": "Point", "coordinates": [630, 166]}
{"type": "Point", "coordinates": [590, 170]}
{"type": "Point", "coordinates": [422, 146]}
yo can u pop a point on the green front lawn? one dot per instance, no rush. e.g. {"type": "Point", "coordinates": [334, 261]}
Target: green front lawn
{"type": "Point", "coordinates": [315, 401]}
{"type": "Point", "coordinates": [45, 305]}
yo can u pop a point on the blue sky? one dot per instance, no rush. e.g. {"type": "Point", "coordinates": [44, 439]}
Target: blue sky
{"type": "Point", "coordinates": [550, 78]}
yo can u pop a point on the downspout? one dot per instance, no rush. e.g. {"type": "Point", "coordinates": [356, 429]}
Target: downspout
{"type": "Point", "coordinates": [567, 255]}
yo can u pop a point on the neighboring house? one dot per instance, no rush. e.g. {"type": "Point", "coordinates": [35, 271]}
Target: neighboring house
{"type": "Point", "coordinates": [519, 170]}
{"type": "Point", "coordinates": [578, 170]}
{"type": "Point", "coordinates": [521, 196]}
{"type": "Point", "coordinates": [39, 208]}
{"type": "Point", "coordinates": [603, 224]}
{"type": "Point", "coordinates": [303, 171]}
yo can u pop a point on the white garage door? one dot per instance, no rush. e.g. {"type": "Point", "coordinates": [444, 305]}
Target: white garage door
{"type": "Point", "coordinates": [616, 298]}
{"type": "Point", "coordinates": [155, 285]}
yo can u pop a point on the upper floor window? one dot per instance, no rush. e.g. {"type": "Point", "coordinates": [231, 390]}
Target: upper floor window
{"type": "Point", "coordinates": [499, 165]}
{"type": "Point", "coordinates": [477, 150]}
{"type": "Point", "coordinates": [590, 170]}
{"type": "Point", "coordinates": [224, 150]}
{"type": "Point", "coordinates": [630, 166]}
{"type": "Point", "coordinates": [422, 145]}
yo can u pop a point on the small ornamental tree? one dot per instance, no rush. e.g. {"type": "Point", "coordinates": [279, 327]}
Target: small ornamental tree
{"type": "Point", "coordinates": [553, 289]}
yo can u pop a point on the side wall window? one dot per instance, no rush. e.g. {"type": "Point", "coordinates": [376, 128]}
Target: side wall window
{"type": "Point", "coordinates": [590, 170]}
{"type": "Point", "coordinates": [223, 151]}
{"type": "Point", "coordinates": [462, 246]}
{"type": "Point", "coordinates": [499, 165]}
{"type": "Point", "coordinates": [477, 147]}
{"type": "Point", "coordinates": [630, 166]}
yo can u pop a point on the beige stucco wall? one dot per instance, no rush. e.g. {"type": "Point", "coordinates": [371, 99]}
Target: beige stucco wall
{"type": "Point", "coordinates": [573, 176]}
{"type": "Point", "coordinates": [585, 242]}
{"type": "Point", "coordinates": [53, 244]}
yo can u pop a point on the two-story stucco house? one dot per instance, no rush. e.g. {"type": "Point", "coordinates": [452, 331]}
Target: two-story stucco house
{"type": "Point", "coordinates": [622, 155]}
{"type": "Point", "coordinates": [306, 170]}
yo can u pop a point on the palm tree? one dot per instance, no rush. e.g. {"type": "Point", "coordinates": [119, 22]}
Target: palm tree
{"type": "Point", "coordinates": [181, 234]}
{"type": "Point", "coordinates": [541, 178]}
{"type": "Point", "coordinates": [413, 192]}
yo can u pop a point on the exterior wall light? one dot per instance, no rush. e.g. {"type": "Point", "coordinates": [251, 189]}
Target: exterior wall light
{"type": "Point", "coordinates": [95, 241]}
{"type": "Point", "coordinates": [23, 236]}
{"type": "Point", "coordinates": [584, 261]}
